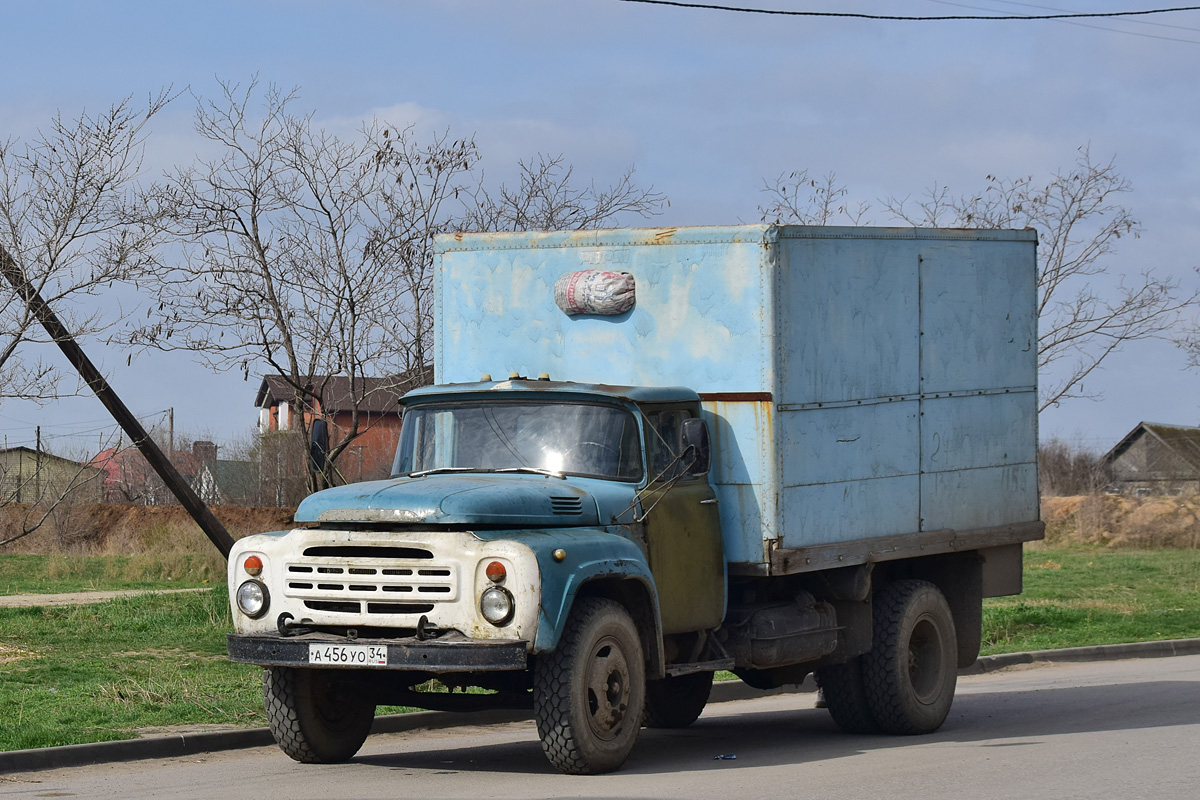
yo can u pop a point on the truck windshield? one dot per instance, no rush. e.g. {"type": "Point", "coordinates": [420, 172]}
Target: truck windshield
{"type": "Point", "coordinates": [561, 438]}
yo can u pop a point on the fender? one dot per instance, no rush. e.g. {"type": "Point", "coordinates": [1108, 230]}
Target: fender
{"type": "Point", "coordinates": [591, 554]}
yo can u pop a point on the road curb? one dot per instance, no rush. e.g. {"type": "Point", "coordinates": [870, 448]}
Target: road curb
{"type": "Point", "coordinates": [1100, 652]}
{"type": "Point", "coordinates": [189, 744]}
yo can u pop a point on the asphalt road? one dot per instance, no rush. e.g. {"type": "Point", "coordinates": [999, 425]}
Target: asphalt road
{"type": "Point", "coordinates": [1122, 729]}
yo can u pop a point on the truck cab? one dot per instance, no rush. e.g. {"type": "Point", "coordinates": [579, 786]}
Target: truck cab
{"type": "Point", "coordinates": [508, 502]}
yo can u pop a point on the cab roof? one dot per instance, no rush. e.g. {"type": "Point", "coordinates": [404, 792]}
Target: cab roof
{"type": "Point", "coordinates": [637, 394]}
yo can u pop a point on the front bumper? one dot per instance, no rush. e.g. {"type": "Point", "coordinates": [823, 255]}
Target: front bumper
{"type": "Point", "coordinates": [448, 653]}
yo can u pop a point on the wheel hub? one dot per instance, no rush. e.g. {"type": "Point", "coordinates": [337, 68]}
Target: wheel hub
{"type": "Point", "coordinates": [607, 689]}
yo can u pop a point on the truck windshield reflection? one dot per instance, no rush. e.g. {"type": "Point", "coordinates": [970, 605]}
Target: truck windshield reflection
{"type": "Point", "coordinates": [552, 438]}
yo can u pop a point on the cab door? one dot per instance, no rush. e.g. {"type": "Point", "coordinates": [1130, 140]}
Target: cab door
{"type": "Point", "coordinates": [683, 529]}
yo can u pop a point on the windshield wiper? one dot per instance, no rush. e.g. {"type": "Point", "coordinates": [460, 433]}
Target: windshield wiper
{"type": "Point", "coordinates": [441, 470]}
{"type": "Point", "coordinates": [549, 473]}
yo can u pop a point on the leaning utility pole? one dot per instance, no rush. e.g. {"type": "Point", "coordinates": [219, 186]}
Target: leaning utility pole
{"type": "Point", "coordinates": [208, 523]}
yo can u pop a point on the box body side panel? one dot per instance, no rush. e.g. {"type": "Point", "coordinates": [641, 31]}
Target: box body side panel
{"type": "Point", "coordinates": [979, 385]}
{"type": "Point", "coordinates": [908, 396]}
{"type": "Point", "coordinates": [849, 409]}
{"type": "Point", "coordinates": [701, 316]}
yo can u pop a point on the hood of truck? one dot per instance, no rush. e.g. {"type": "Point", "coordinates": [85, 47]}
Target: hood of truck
{"type": "Point", "coordinates": [457, 499]}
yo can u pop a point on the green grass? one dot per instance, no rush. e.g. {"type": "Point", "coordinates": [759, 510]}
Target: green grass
{"type": "Point", "coordinates": [101, 672]}
{"type": "Point", "coordinates": [105, 671]}
{"type": "Point", "coordinates": [23, 574]}
{"type": "Point", "coordinates": [1081, 597]}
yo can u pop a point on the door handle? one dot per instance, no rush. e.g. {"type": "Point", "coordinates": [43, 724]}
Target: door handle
{"type": "Point", "coordinates": [711, 502]}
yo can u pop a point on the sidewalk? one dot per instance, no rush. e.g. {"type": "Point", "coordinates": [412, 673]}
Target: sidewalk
{"type": "Point", "coordinates": [726, 691]}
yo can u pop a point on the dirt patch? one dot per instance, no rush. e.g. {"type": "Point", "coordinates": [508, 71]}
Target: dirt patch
{"type": "Point", "coordinates": [184, 730]}
{"type": "Point", "coordinates": [80, 598]}
{"type": "Point", "coordinates": [11, 653]}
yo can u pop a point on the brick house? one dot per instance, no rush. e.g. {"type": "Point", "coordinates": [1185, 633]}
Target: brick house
{"type": "Point", "coordinates": [1156, 459]}
{"type": "Point", "coordinates": [129, 478]}
{"type": "Point", "coordinates": [369, 456]}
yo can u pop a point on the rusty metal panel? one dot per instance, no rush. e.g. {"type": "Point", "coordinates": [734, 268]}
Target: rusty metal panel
{"type": "Point", "coordinates": [743, 475]}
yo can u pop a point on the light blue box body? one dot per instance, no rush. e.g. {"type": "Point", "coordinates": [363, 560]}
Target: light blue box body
{"type": "Point", "coordinates": [859, 382]}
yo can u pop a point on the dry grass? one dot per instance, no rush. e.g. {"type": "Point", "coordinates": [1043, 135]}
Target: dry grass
{"type": "Point", "coordinates": [111, 529]}
{"type": "Point", "coordinates": [1116, 521]}
{"type": "Point", "coordinates": [11, 653]}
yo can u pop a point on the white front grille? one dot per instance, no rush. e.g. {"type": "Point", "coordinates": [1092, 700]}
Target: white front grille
{"type": "Point", "coordinates": [380, 586]}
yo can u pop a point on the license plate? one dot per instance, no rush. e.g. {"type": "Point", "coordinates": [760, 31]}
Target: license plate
{"type": "Point", "coordinates": [349, 655]}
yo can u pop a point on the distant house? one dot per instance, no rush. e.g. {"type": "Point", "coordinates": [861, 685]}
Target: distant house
{"type": "Point", "coordinates": [369, 456]}
{"type": "Point", "coordinates": [129, 478]}
{"type": "Point", "coordinates": [226, 482]}
{"type": "Point", "coordinates": [1156, 459]}
{"type": "Point", "coordinates": [30, 476]}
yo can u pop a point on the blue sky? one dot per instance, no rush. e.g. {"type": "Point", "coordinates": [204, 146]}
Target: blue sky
{"type": "Point", "coordinates": [706, 105]}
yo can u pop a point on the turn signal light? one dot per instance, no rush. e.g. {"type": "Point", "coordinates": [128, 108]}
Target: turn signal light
{"type": "Point", "coordinates": [496, 572]}
{"type": "Point", "coordinates": [252, 565]}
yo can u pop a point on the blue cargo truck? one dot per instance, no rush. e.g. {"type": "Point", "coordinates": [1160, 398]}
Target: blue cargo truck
{"type": "Point", "coordinates": [776, 450]}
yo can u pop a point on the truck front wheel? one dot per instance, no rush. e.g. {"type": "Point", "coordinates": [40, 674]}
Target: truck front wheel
{"type": "Point", "coordinates": [677, 702]}
{"type": "Point", "coordinates": [911, 671]}
{"type": "Point", "coordinates": [317, 716]}
{"type": "Point", "coordinates": [589, 693]}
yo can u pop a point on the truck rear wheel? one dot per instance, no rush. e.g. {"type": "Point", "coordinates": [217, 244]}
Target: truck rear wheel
{"type": "Point", "coordinates": [589, 693]}
{"type": "Point", "coordinates": [317, 716]}
{"type": "Point", "coordinates": [846, 696]}
{"type": "Point", "coordinates": [911, 671]}
{"type": "Point", "coordinates": [676, 702]}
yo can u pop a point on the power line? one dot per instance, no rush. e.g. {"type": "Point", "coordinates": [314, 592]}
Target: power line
{"type": "Point", "coordinates": [1078, 24]}
{"type": "Point", "coordinates": [1052, 8]}
{"type": "Point", "coordinates": [898, 18]}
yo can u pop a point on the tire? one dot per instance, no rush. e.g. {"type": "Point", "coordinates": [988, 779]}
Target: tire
{"type": "Point", "coordinates": [589, 693]}
{"type": "Point", "coordinates": [846, 697]}
{"type": "Point", "coordinates": [316, 716]}
{"type": "Point", "coordinates": [911, 671]}
{"type": "Point", "coordinates": [676, 702]}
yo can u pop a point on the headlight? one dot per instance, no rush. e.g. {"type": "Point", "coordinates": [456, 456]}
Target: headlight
{"type": "Point", "coordinates": [253, 599]}
{"type": "Point", "coordinates": [496, 605]}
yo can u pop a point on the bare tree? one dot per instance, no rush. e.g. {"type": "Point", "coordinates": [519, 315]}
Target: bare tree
{"type": "Point", "coordinates": [423, 187]}
{"type": "Point", "coordinates": [310, 256]}
{"type": "Point", "coordinates": [1085, 313]}
{"type": "Point", "coordinates": [290, 257]}
{"type": "Point", "coordinates": [545, 198]}
{"type": "Point", "coordinates": [1067, 469]}
{"type": "Point", "coordinates": [1079, 220]}
{"type": "Point", "coordinates": [68, 224]}
{"type": "Point", "coordinates": [795, 198]}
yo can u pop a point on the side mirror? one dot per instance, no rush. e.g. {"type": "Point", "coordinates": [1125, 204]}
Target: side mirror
{"type": "Point", "coordinates": [318, 446]}
{"type": "Point", "coordinates": [695, 435]}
